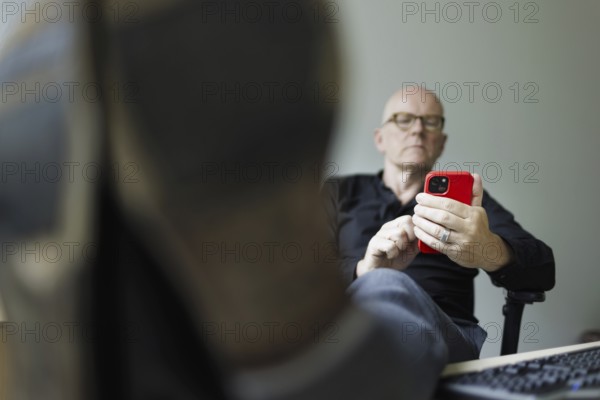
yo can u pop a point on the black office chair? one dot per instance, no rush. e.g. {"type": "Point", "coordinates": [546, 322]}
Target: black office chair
{"type": "Point", "coordinates": [513, 312]}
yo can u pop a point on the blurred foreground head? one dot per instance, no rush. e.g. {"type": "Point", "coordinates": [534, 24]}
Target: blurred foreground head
{"type": "Point", "coordinates": [224, 121]}
{"type": "Point", "coordinates": [229, 128]}
{"type": "Point", "coordinates": [228, 95]}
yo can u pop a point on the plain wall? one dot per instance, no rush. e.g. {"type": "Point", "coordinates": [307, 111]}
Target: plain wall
{"type": "Point", "coordinates": [551, 142]}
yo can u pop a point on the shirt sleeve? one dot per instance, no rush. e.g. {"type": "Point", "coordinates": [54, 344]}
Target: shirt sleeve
{"type": "Point", "coordinates": [533, 266]}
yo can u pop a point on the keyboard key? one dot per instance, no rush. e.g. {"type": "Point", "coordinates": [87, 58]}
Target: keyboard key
{"type": "Point", "coordinates": [542, 378]}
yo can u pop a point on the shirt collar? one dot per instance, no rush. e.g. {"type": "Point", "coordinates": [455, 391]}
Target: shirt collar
{"type": "Point", "coordinates": [384, 188]}
{"type": "Point", "coordinates": [390, 201]}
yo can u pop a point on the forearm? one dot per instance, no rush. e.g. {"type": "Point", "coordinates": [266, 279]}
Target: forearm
{"type": "Point", "coordinates": [532, 266]}
{"type": "Point", "coordinates": [502, 255]}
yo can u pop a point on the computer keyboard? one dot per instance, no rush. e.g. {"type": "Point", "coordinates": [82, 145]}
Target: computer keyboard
{"type": "Point", "coordinates": [570, 375]}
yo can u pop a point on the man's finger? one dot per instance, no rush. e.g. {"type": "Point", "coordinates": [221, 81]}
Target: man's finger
{"type": "Point", "coordinates": [429, 240]}
{"type": "Point", "coordinates": [399, 235]}
{"type": "Point", "coordinates": [429, 227]}
{"type": "Point", "coordinates": [396, 222]}
{"type": "Point", "coordinates": [384, 248]}
{"type": "Point", "coordinates": [477, 198]}
{"type": "Point", "coordinates": [443, 203]}
{"type": "Point", "coordinates": [440, 217]}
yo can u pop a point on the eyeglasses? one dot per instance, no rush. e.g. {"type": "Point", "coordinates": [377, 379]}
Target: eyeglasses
{"type": "Point", "coordinates": [431, 123]}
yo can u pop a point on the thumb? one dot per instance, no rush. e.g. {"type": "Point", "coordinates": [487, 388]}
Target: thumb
{"type": "Point", "coordinates": [477, 197]}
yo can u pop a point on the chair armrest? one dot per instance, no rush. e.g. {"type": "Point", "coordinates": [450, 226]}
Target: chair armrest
{"type": "Point", "coordinates": [525, 297]}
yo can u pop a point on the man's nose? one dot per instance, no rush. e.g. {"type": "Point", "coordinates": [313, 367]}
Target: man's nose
{"type": "Point", "coordinates": [417, 127]}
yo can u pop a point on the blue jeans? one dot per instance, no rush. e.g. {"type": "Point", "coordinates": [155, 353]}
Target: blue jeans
{"type": "Point", "coordinates": [409, 311]}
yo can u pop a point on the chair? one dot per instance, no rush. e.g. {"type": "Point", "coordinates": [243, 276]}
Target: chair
{"type": "Point", "coordinates": [513, 312]}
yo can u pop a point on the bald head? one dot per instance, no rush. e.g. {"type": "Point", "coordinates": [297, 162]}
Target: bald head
{"type": "Point", "coordinates": [412, 100]}
{"type": "Point", "coordinates": [410, 143]}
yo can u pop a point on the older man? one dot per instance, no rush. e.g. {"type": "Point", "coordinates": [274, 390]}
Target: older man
{"type": "Point", "coordinates": [377, 220]}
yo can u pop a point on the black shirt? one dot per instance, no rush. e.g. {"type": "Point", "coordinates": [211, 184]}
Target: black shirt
{"type": "Point", "coordinates": [359, 205]}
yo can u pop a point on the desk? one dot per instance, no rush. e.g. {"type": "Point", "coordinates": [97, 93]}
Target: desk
{"type": "Point", "coordinates": [477, 365]}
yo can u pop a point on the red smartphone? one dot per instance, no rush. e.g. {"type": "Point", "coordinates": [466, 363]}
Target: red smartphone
{"type": "Point", "coordinates": [455, 185]}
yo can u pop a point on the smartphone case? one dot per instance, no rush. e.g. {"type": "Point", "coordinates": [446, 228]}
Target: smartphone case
{"type": "Point", "coordinates": [460, 188]}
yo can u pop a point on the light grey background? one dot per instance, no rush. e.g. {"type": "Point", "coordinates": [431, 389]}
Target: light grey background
{"type": "Point", "coordinates": [552, 143]}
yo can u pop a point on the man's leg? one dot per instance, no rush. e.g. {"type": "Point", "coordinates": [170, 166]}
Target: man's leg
{"type": "Point", "coordinates": [407, 309]}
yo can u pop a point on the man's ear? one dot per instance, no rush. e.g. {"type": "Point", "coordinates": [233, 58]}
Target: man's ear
{"type": "Point", "coordinates": [378, 140]}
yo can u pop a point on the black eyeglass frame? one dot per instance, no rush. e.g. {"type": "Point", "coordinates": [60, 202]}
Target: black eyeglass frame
{"type": "Point", "coordinates": [415, 117]}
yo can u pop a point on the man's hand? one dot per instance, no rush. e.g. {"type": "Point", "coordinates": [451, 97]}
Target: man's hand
{"type": "Point", "coordinates": [394, 246]}
{"type": "Point", "coordinates": [471, 244]}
